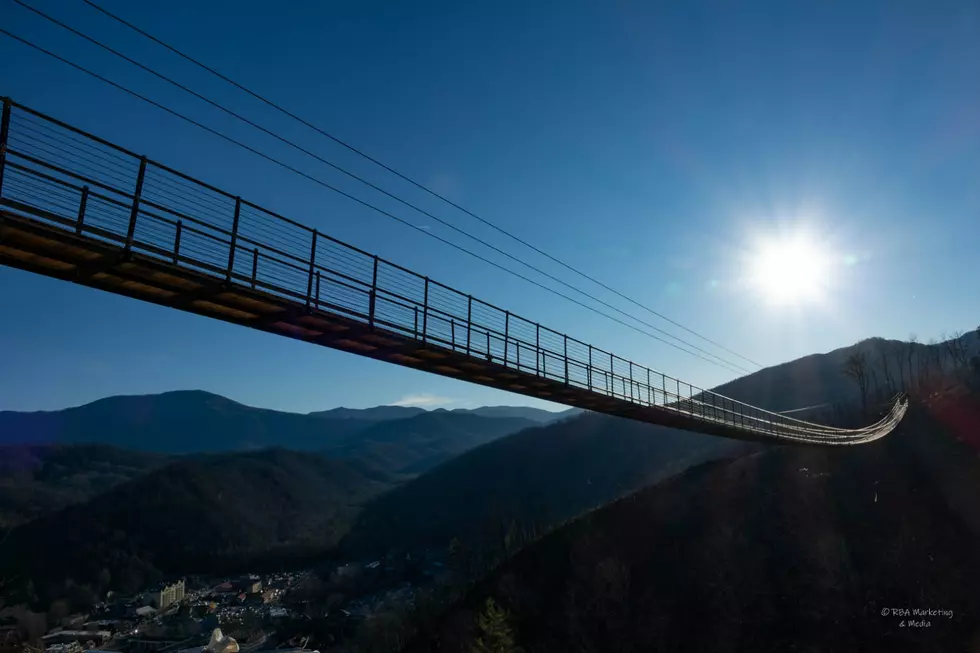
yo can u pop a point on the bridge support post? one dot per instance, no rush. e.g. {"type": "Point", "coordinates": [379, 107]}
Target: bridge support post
{"type": "Point", "coordinates": [590, 368]}
{"type": "Point", "coordinates": [537, 349]}
{"type": "Point", "coordinates": [566, 360]}
{"type": "Point", "coordinates": [234, 240]}
{"type": "Point", "coordinates": [469, 323]}
{"type": "Point", "coordinates": [4, 133]}
{"type": "Point", "coordinates": [180, 227]}
{"type": "Point", "coordinates": [631, 380]}
{"type": "Point", "coordinates": [309, 281]}
{"type": "Point", "coordinates": [81, 210]}
{"type": "Point", "coordinates": [134, 212]}
{"type": "Point", "coordinates": [649, 394]}
{"type": "Point", "coordinates": [316, 301]}
{"type": "Point", "coordinates": [425, 313]}
{"type": "Point", "coordinates": [255, 265]}
{"type": "Point", "coordinates": [374, 294]}
{"type": "Point", "coordinates": [612, 376]}
{"type": "Point", "coordinates": [506, 336]}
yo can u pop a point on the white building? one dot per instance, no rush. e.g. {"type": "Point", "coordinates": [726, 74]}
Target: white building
{"type": "Point", "coordinates": [167, 595]}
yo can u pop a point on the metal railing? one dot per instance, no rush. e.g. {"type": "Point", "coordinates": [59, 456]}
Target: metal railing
{"type": "Point", "coordinates": [60, 175]}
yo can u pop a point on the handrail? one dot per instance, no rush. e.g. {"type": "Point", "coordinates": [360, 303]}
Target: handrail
{"type": "Point", "coordinates": [198, 241]}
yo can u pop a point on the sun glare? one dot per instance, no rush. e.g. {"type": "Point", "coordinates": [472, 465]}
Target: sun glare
{"type": "Point", "coordinates": [790, 271]}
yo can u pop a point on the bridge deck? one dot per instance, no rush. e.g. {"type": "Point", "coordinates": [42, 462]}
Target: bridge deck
{"type": "Point", "coordinates": [27, 244]}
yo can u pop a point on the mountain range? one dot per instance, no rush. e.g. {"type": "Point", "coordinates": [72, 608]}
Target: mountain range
{"type": "Point", "coordinates": [206, 512]}
{"type": "Point", "coordinates": [194, 421]}
{"type": "Point", "coordinates": [69, 456]}
{"type": "Point", "coordinates": [383, 413]}
{"type": "Point", "coordinates": [374, 480]}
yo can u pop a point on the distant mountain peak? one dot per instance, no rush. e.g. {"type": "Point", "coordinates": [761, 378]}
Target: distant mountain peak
{"type": "Point", "coordinates": [377, 413]}
{"type": "Point", "coordinates": [384, 413]}
{"type": "Point", "coordinates": [170, 398]}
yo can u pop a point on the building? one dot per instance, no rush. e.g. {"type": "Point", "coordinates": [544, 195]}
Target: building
{"type": "Point", "coordinates": [70, 647]}
{"type": "Point", "coordinates": [167, 595]}
{"type": "Point", "coordinates": [250, 584]}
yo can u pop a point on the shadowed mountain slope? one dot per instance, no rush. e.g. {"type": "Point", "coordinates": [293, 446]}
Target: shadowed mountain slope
{"type": "Point", "coordinates": [785, 549]}
{"type": "Point", "coordinates": [540, 475]}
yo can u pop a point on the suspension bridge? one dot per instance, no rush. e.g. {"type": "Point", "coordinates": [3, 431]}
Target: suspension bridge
{"type": "Point", "coordinates": [76, 207]}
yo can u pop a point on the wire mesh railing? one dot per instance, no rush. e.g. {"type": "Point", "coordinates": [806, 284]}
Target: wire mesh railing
{"type": "Point", "coordinates": [67, 178]}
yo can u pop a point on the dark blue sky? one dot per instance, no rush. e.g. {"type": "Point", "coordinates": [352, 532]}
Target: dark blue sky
{"type": "Point", "coordinates": [653, 145]}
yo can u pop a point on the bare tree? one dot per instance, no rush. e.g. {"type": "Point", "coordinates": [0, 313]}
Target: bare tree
{"type": "Point", "coordinates": [882, 347]}
{"type": "Point", "coordinates": [925, 360]}
{"type": "Point", "coordinates": [954, 349]}
{"type": "Point", "coordinates": [913, 341]}
{"type": "Point", "coordinates": [960, 351]}
{"type": "Point", "coordinates": [944, 349]}
{"type": "Point", "coordinates": [932, 357]}
{"type": "Point", "coordinates": [898, 354]}
{"type": "Point", "coordinates": [856, 367]}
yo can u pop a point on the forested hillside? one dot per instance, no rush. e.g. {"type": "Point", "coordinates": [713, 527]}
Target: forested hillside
{"type": "Point", "coordinates": [785, 549]}
{"type": "Point", "coordinates": [537, 477]}
{"type": "Point", "coordinates": [37, 479]}
{"type": "Point", "coordinates": [201, 514]}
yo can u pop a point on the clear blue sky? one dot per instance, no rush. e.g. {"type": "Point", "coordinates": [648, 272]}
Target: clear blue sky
{"type": "Point", "coordinates": [654, 145]}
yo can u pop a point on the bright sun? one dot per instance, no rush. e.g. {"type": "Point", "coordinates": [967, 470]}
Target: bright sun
{"type": "Point", "coordinates": [791, 270]}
